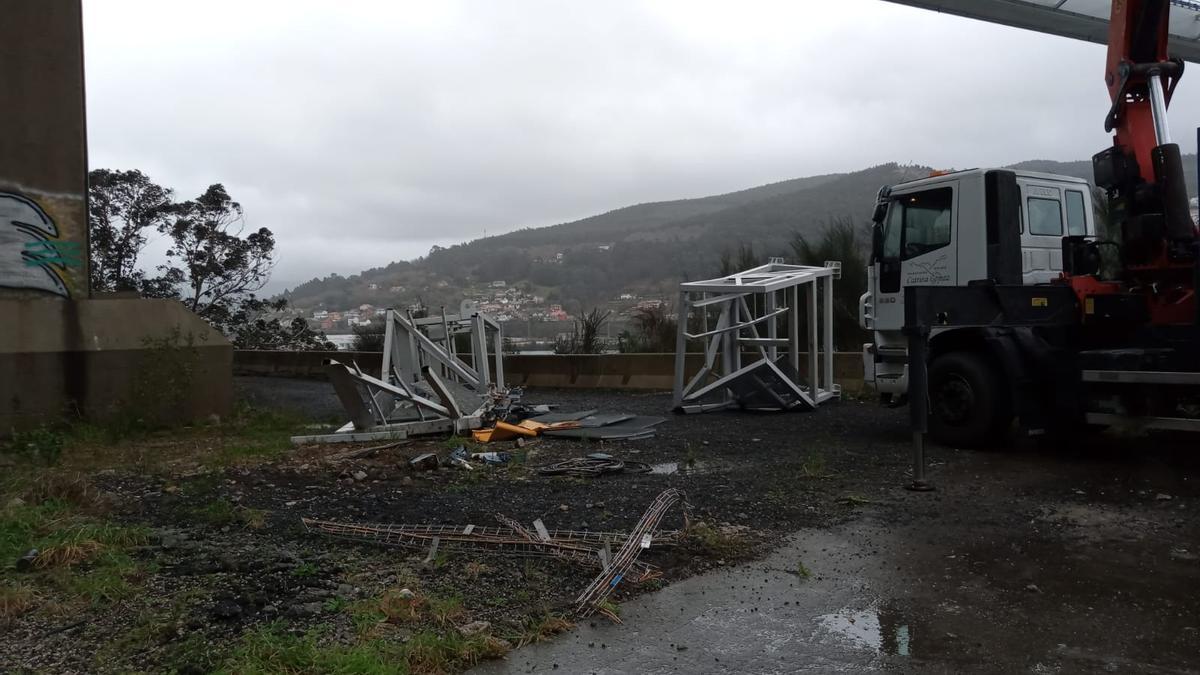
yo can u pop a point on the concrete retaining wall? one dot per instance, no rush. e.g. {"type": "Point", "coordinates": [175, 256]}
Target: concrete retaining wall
{"type": "Point", "coordinates": [98, 358]}
{"type": "Point", "coordinates": [612, 371]}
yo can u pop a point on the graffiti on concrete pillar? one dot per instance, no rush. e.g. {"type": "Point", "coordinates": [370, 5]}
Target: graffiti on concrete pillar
{"type": "Point", "coordinates": [33, 256]}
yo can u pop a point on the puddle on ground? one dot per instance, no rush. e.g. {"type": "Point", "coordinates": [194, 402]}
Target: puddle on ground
{"type": "Point", "coordinates": [878, 628]}
{"type": "Point", "coordinates": [677, 467]}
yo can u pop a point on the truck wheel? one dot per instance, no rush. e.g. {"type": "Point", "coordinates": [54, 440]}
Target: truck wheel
{"type": "Point", "coordinates": [968, 405]}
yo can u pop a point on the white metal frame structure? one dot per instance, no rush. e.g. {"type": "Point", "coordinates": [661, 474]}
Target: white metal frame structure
{"type": "Point", "coordinates": [411, 344]}
{"type": "Point", "coordinates": [749, 307]}
{"type": "Point", "coordinates": [425, 386]}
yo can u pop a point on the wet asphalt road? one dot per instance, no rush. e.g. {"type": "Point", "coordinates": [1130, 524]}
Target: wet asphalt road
{"type": "Point", "coordinates": [756, 618]}
{"type": "Point", "coordinates": [991, 573]}
{"type": "Point", "coordinates": [1077, 557]}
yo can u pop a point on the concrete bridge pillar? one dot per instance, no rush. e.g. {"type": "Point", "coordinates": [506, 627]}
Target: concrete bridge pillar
{"type": "Point", "coordinates": [62, 351]}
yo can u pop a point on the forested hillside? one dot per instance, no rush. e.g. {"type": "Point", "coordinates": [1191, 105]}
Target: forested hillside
{"type": "Point", "coordinates": [646, 248]}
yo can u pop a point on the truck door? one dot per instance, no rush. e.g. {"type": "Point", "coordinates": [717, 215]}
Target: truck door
{"type": "Point", "coordinates": [1041, 240]}
{"type": "Point", "coordinates": [916, 249]}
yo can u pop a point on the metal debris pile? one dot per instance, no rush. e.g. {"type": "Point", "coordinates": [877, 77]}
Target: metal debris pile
{"type": "Point", "coordinates": [589, 424]}
{"type": "Point", "coordinates": [593, 465]}
{"type": "Point", "coordinates": [591, 549]}
{"type": "Point", "coordinates": [426, 385]}
{"type": "Point", "coordinates": [596, 594]}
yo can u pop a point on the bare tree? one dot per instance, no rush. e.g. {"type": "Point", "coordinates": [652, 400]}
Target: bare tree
{"type": "Point", "coordinates": [585, 338]}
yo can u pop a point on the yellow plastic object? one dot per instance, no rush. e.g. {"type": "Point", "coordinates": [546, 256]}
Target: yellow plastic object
{"type": "Point", "coordinates": [502, 432]}
{"type": "Point", "coordinates": [516, 429]}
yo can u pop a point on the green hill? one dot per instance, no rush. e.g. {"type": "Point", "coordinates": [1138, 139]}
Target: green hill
{"type": "Point", "coordinates": [645, 248]}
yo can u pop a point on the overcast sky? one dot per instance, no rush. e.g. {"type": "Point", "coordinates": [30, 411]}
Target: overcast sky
{"type": "Point", "coordinates": [366, 132]}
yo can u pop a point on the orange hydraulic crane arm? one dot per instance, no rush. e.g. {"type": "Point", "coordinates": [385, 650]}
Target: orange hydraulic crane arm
{"type": "Point", "coordinates": [1143, 170]}
{"type": "Point", "coordinates": [1140, 78]}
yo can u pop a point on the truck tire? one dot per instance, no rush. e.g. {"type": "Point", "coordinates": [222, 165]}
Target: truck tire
{"type": "Point", "coordinates": [968, 403]}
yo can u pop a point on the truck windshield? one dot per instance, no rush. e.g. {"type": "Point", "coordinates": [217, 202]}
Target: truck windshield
{"type": "Point", "coordinates": [918, 223]}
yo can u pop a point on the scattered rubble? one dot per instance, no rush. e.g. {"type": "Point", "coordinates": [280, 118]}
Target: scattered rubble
{"type": "Point", "coordinates": [424, 462]}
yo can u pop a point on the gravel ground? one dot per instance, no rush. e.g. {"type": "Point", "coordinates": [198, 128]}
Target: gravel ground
{"type": "Point", "coordinates": [1043, 544]}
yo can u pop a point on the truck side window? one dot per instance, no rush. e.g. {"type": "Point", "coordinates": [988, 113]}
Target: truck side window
{"type": "Point", "coordinates": [891, 233]}
{"type": "Point", "coordinates": [1076, 222]}
{"type": "Point", "coordinates": [1045, 217]}
{"type": "Point", "coordinates": [927, 220]}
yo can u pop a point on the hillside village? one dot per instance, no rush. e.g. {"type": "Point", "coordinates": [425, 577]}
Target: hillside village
{"type": "Point", "coordinates": [502, 302]}
{"type": "Point", "coordinates": [524, 314]}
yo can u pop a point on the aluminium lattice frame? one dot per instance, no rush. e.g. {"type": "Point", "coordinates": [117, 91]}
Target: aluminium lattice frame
{"type": "Point", "coordinates": [425, 386]}
{"type": "Point", "coordinates": [748, 308]}
{"type": "Point", "coordinates": [410, 344]}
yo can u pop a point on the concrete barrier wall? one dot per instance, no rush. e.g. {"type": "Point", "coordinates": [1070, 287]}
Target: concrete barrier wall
{"type": "Point", "coordinates": [97, 358]}
{"type": "Point", "coordinates": [609, 371]}
{"type": "Point", "coordinates": [300, 364]}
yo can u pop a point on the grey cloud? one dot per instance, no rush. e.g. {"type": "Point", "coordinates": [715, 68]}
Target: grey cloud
{"type": "Point", "coordinates": [366, 132]}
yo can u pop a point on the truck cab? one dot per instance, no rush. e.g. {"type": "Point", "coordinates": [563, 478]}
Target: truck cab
{"type": "Point", "coordinates": [955, 229]}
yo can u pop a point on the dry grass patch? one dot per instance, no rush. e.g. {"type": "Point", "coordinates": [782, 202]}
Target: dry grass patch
{"type": "Point", "coordinates": [68, 487]}
{"type": "Point", "coordinates": [400, 607]}
{"type": "Point", "coordinates": [15, 600]}
{"type": "Point", "coordinates": [537, 630]}
{"type": "Point", "coordinates": [67, 554]}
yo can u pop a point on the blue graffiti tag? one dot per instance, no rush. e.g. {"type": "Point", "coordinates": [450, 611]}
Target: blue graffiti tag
{"type": "Point", "coordinates": [46, 252]}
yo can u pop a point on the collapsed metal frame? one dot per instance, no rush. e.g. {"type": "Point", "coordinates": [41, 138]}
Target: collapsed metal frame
{"type": "Point", "coordinates": [625, 560]}
{"type": "Point", "coordinates": [411, 344]}
{"type": "Point", "coordinates": [744, 303]}
{"type": "Point", "coordinates": [591, 549]}
{"type": "Point", "coordinates": [425, 386]}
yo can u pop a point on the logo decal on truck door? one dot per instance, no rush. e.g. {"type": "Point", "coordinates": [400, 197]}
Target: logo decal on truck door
{"type": "Point", "coordinates": [926, 273]}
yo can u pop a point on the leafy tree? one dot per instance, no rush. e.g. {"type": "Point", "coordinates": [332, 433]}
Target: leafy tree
{"type": "Point", "coordinates": [840, 241]}
{"type": "Point", "coordinates": [369, 338]}
{"type": "Point", "coordinates": [420, 310]}
{"type": "Point", "coordinates": [653, 332]}
{"type": "Point", "coordinates": [218, 268]}
{"type": "Point", "coordinates": [725, 266]}
{"type": "Point", "coordinates": [252, 330]}
{"type": "Point", "coordinates": [122, 207]}
{"type": "Point", "coordinates": [742, 260]}
{"type": "Point", "coordinates": [213, 266]}
{"type": "Point", "coordinates": [746, 258]}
